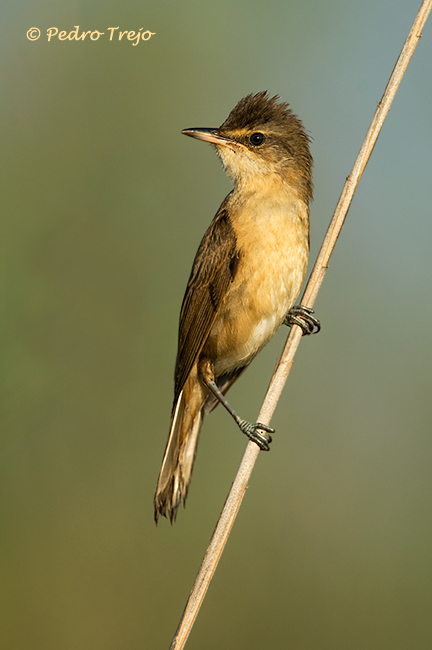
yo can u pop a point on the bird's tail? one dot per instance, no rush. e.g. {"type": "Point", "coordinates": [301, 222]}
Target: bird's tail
{"type": "Point", "coordinates": [180, 451]}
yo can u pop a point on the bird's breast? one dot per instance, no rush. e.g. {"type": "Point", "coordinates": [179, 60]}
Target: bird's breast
{"type": "Point", "coordinates": [273, 246]}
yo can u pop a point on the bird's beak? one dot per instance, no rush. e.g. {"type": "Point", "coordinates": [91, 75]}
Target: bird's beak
{"type": "Point", "coordinates": [212, 136]}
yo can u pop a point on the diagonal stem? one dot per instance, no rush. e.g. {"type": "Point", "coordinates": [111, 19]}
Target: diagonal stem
{"type": "Point", "coordinates": [235, 497]}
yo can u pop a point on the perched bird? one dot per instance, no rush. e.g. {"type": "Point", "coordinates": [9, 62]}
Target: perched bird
{"type": "Point", "coordinates": [246, 275]}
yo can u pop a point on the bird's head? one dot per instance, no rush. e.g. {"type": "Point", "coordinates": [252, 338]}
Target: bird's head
{"type": "Point", "coordinates": [262, 141]}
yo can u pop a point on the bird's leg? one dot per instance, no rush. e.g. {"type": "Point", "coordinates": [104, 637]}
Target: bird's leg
{"type": "Point", "coordinates": [302, 316]}
{"type": "Point", "coordinates": [251, 430]}
{"type": "Point", "coordinates": [248, 428]}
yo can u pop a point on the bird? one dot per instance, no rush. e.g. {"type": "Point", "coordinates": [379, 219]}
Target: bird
{"type": "Point", "coordinates": [246, 276]}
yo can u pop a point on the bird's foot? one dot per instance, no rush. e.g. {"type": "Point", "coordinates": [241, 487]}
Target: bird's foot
{"type": "Point", "coordinates": [251, 430]}
{"type": "Point", "coordinates": [302, 316]}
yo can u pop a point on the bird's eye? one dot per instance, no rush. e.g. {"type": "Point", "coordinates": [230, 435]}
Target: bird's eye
{"type": "Point", "coordinates": [256, 139]}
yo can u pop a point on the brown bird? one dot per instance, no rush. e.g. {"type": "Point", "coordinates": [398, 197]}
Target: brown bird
{"type": "Point", "coordinates": [246, 275]}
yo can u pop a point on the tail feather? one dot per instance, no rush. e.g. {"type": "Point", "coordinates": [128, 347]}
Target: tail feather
{"type": "Point", "coordinates": [180, 451]}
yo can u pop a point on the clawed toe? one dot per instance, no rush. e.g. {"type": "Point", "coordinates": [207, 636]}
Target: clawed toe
{"type": "Point", "coordinates": [251, 430]}
{"type": "Point", "coordinates": [264, 427]}
{"type": "Point", "coordinates": [302, 316]}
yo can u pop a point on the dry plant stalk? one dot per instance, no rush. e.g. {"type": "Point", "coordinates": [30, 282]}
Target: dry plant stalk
{"type": "Point", "coordinates": [235, 497]}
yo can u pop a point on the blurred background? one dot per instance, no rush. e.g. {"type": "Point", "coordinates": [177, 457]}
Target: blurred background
{"type": "Point", "coordinates": [104, 205]}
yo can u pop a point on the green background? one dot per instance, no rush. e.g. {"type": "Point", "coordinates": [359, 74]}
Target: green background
{"type": "Point", "coordinates": [104, 204]}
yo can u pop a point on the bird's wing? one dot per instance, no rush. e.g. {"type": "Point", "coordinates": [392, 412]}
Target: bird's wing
{"type": "Point", "coordinates": [213, 269]}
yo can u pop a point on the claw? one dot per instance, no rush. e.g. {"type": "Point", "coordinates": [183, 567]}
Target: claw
{"type": "Point", "coordinates": [302, 316]}
{"type": "Point", "coordinates": [251, 430]}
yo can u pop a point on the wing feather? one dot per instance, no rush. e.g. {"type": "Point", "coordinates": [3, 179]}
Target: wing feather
{"type": "Point", "coordinates": [213, 269]}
